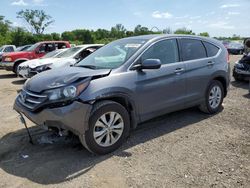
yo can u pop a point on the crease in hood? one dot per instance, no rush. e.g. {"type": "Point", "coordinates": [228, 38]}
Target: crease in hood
{"type": "Point", "coordinates": [60, 77]}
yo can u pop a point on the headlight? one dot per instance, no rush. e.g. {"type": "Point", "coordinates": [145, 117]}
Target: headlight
{"type": "Point", "coordinates": [66, 93]}
{"type": "Point", "coordinates": [8, 59]}
{"type": "Point", "coordinates": [42, 67]}
{"type": "Point", "coordinates": [239, 65]}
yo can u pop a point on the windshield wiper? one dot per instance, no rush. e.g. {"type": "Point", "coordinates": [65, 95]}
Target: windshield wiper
{"type": "Point", "coordinates": [87, 66]}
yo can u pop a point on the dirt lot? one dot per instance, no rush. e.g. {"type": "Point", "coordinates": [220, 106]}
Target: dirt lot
{"type": "Point", "coordinates": [181, 149]}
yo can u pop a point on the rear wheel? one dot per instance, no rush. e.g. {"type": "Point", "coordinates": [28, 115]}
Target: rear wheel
{"type": "Point", "coordinates": [213, 98]}
{"type": "Point", "coordinates": [108, 127]}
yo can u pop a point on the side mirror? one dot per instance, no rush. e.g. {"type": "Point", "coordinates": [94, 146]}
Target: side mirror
{"type": "Point", "coordinates": [148, 64]}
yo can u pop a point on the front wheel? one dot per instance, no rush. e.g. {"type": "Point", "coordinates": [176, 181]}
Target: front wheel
{"type": "Point", "coordinates": [213, 98]}
{"type": "Point", "coordinates": [108, 127]}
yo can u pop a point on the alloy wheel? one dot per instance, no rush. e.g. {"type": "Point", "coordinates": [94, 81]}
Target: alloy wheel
{"type": "Point", "coordinates": [108, 129]}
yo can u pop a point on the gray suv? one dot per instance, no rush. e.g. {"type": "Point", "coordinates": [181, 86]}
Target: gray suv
{"type": "Point", "coordinates": [127, 82]}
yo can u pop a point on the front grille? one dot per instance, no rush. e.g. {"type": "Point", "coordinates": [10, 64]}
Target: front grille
{"type": "Point", "coordinates": [31, 100]}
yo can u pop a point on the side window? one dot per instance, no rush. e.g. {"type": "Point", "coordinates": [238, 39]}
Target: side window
{"type": "Point", "coordinates": [42, 48]}
{"type": "Point", "coordinates": [9, 49]}
{"type": "Point", "coordinates": [192, 49]}
{"type": "Point", "coordinates": [60, 45]}
{"type": "Point", "coordinates": [166, 51]}
{"type": "Point", "coordinates": [212, 50]}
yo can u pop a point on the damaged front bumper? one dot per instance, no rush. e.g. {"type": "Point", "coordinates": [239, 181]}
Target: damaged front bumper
{"type": "Point", "coordinates": [73, 117]}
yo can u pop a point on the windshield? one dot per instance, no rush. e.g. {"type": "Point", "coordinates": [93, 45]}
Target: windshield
{"type": "Point", "coordinates": [33, 47]}
{"type": "Point", "coordinates": [1, 49]}
{"type": "Point", "coordinates": [23, 48]}
{"type": "Point", "coordinates": [113, 55]}
{"type": "Point", "coordinates": [52, 54]}
{"type": "Point", "coordinates": [70, 52]}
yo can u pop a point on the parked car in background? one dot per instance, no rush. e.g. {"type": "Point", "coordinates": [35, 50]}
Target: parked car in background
{"type": "Point", "coordinates": [226, 43]}
{"type": "Point", "coordinates": [127, 82]}
{"type": "Point", "coordinates": [10, 61]}
{"type": "Point", "coordinates": [66, 58]}
{"type": "Point", "coordinates": [23, 68]}
{"type": "Point", "coordinates": [241, 69]}
{"type": "Point", "coordinates": [235, 48]}
{"type": "Point", "coordinates": [23, 48]}
{"type": "Point", "coordinates": [6, 49]}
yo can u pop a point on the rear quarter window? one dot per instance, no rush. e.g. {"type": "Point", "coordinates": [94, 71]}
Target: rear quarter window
{"type": "Point", "coordinates": [212, 50]}
{"type": "Point", "coordinates": [192, 49]}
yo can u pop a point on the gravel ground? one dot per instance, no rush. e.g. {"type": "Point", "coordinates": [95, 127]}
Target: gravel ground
{"type": "Point", "coordinates": [181, 149]}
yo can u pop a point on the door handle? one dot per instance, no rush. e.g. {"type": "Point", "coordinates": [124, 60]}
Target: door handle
{"type": "Point", "coordinates": [179, 70]}
{"type": "Point", "coordinates": [210, 63]}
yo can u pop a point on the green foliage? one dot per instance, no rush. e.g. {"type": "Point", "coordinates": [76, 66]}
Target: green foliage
{"type": "Point", "coordinates": [37, 20]}
{"type": "Point", "coordinates": [184, 31]}
{"type": "Point", "coordinates": [204, 34]}
{"type": "Point", "coordinates": [5, 31]}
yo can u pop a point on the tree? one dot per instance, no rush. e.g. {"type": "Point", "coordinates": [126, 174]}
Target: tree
{"type": "Point", "coordinates": [68, 35]}
{"type": "Point", "coordinates": [5, 31]}
{"type": "Point", "coordinates": [140, 30]}
{"type": "Point", "coordinates": [168, 30]}
{"type": "Point", "coordinates": [184, 31]}
{"type": "Point", "coordinates": [37, 20]}
{"type": "Point", "coordinates": [118, 31]}
{"type": "Point", "coordinates": [204, 34]}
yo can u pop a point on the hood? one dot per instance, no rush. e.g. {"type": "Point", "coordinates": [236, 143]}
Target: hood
{"type": "Point", "coordinates": [29, 62]}
{"type": "Point", "coordinates": [56, 62]}
{"type": "Point", "coordinates": [38, 62]}
{"type": "Point", "coordinates": [61, 77]}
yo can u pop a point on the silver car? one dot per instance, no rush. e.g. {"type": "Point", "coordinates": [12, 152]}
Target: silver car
{"type": "Point", "coordinates": [127, 82]}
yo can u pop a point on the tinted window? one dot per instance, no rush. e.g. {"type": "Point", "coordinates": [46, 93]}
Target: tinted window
{"type": "Point", "coordinates": [212, 50]}
{"type": "Point", "coordinates": [192, 49]}
{"type": "Point", "coordinates": [166, 51]}
{"type": "Point", "coordinates": [60, 45]}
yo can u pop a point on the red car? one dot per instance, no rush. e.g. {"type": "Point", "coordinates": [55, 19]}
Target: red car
{"type": "Point", "coordinates": [10, 61]}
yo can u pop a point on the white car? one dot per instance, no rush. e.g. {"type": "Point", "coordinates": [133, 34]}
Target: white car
{"type": "Point", "coordinates": [22, 69]}
{"type": "Point", "coordinates": [66, 58]}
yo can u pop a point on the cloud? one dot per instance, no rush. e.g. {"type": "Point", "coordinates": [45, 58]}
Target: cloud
{"type": "Point", "coordinates": [19, 3]}
{"type": "Point", "coordinates": [233, 13]}
{"type": "Point", "coordinates": [229, 6]}
{"type": "Point", "coordinates": [221, 25]}
{"type": "Point", "coordinates": [161, 15]}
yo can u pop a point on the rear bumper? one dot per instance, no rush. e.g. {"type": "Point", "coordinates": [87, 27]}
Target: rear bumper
{"type": "Point", "coordinates": [7, 65]}
{"type": "Point", "coordinates": [73, 117]}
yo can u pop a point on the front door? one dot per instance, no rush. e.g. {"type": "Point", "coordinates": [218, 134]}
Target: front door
{"type": "Point", "coordinates": [162, 90]}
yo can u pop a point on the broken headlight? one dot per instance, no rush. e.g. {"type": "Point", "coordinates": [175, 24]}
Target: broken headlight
{"type": "Point", "coordinates": [66, 93]}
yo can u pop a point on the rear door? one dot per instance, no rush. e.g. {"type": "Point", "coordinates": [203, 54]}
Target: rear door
{"type": "Point", "coordinates": [199, 67]}
{"type": "Point", "coordinates": [162, 90]}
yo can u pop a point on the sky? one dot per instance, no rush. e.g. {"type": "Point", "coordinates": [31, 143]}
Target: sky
{"type": "Point", "coordinates": [217, 17]}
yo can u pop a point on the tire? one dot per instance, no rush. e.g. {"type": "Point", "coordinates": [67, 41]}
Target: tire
{"type": "Point", "coordinates": [216, 105]}
{"type": "Point", "coordinates": [120, 117]}
{"type": "Point", "coordinates": [16, 66]}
